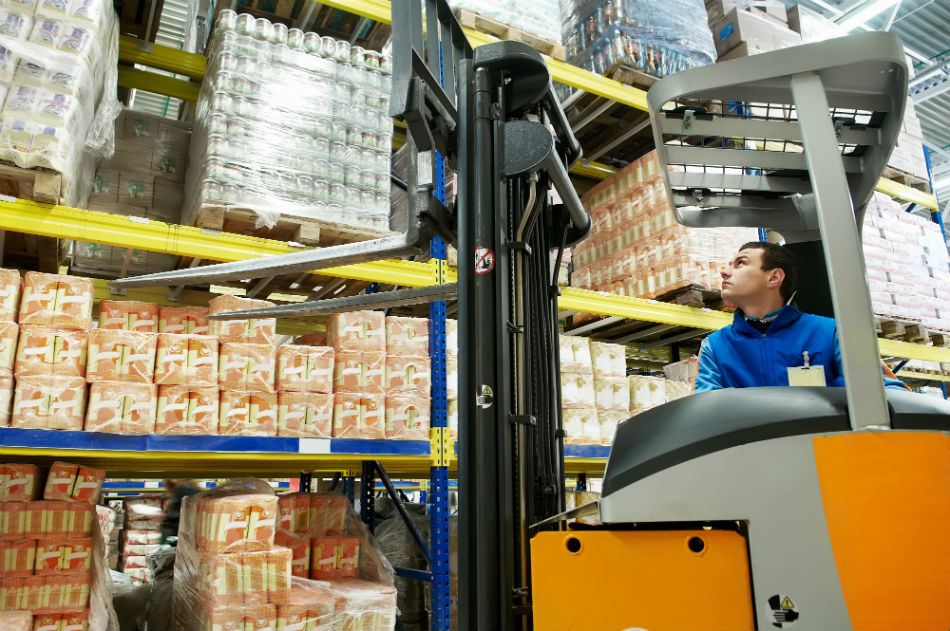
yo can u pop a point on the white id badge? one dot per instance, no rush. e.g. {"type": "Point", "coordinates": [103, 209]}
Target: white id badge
{"type": "Point", "coordinates": [806, 376]}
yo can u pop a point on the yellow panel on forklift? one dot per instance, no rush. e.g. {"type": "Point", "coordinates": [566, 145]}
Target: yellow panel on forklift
{"type": "Point", "coordinates": [650, 579]}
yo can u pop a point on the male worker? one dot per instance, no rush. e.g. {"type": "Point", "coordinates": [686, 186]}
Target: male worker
{"type": "Point", "coordinates": [767, 335]}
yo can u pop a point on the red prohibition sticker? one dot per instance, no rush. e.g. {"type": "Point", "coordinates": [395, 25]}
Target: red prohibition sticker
{"type": "Point", "coordinates": [484, 260]}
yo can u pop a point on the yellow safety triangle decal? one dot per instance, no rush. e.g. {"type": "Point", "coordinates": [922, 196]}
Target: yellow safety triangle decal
{"type": "Point", "coordinates": [787, 603]}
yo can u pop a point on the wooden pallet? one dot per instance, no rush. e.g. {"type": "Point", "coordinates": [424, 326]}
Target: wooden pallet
{"type": "Point", "coordinates": [288, 228]}
{"type": "Point", "coordinates": [471, 19]}
{"type": "Point", "coordinates": [40, 185]}
{"type": "Point", "coordinates": [907, 179]}
{"type": "Point", "coordinates": [693, 295]}
{"type": "Point", "coordinates": [910, 331]}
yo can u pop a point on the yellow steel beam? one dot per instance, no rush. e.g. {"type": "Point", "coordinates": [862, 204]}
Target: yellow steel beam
{"type": "Point", "coordinates": [594, 170]}
{"type": "Point", "coordinates": [907, 350]}
{"type": "Point", "coordinates": [162, 58]}
{"type": "Point", "coordinates": [922, 376]}
{"type": "Point", "coordinates": [906, 193]}
{"type": "Point", "coordinates": [159, 84]}
{"type": "Point", "coordinates": [641, 309]}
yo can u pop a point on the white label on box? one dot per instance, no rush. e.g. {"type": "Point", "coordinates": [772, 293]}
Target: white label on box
{"type": "Point", "coordinates": [314, 446]}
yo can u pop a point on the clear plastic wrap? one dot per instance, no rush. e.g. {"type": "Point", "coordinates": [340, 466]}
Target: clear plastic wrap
{"type": "Point", "coordinates": [359, 415]}
{"type": "Point", "coordinates": [357, 331]}
{"type": "Point", "coordinates": [540, 18]}
{"type": "Point", "coordinates": [121, 408]}
{"type": "Point", "coordinates": [407, 417]}
{"type": "Point", "coordinates": [400, 549]}
{"type": "Point", "coordinates": [121, 355]}
{"type": "Point", "coordinates": [305, 368]}
{"type": "Point", "coordinates": [49, 402]}
{"type": "Point", "coordinates": [248, 367]}
{"type": "Point", "coordinates": [291, 126]}
{"type": "Point", "coordinates": [254, 331]}
{"type": "Point", "coordinates": [58, 72]}
{"type": "Point", "coordinates": [182, 320]}
{"type": "Point", "coordinates": [187, 360]}
{"type": "Point", "coordinates": [304, 414]}
{"type": "Point", "coordinates": [45, 351]}
{"type": "Point", "coordinates": [407, 337]}
{"type": "Point", "coordinates": [658, 38]}
{"type": "Point", "coordinates": [359, 372]}
{"type": "Point", "coordinates": [247, 413]}
{"type": "Point", "coordinates": [408, 375]}
{"type": "Point", "coordinates": [187, 410]}
{"type": "Point", "coordinates": [128, 315]}
{"type": "Point", "coordinates": [235, 569]}
{"type": "Point", "coordinates": [63, 302]}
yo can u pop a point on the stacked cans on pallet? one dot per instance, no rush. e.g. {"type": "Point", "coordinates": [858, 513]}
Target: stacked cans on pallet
{"type": "Point", "coordinates": [294, 124]}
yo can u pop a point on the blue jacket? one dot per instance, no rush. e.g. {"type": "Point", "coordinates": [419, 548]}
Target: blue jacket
{"type": "Point", "coordinates": [739, 356]}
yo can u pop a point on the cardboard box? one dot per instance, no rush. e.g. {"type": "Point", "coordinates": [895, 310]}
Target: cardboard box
{"type": "Point", "coordinates": [357, 331]}
{"type": "Point", "coordinates": [761, 34]}
{"type": "Point", "coordinates": [812, 26]}
{"type": "Point", "coordinates": [10, 286]}
{"type": "Point", "coordinates": [128, 315]}
{"type": "Point", "coordinates": [773, 10]}
{"type": "Point", "coordinates": [254, 331]}
{"type": "Point", "coordinates": [359, 372]}
{"type": "Point", "coordinates": [121, 408]}
{"type": "Point", "coordinates": [407, 417]}
{"type": "Point", "coordinates": [136, 189]}
{"type": "Point", "coordinates": [304, 414]}
{"type": "Point", "coordinates": [305, 368]}
{"type": "Point", "coordinates": [62, 302]}
{"type": "Point", "coordinates": [181, 320]}
{"type": "Point", "coordinates": [359, 415]}
{"type": "Point", "coordinates": [247, 367]}
{"type": "Point", "coordinates": [46, 351]}
{"type": "Point", "coordinates": [407, 337]}
{"type": "Point", "coordinates": [187, 410]}
{"type": "Point", "coordinates": [248, 414]}
{"type": "Point", "coordinates": [49, 402]}
{"type": "Point", "coordinates": [121, 355]}
{"type": "Point", "coordinates": [408, 375]}
{"type": "Point", "coordinates": [188, 360]}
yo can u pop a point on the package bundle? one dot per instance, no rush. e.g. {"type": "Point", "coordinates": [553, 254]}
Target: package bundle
{"type": "Point", "coordinates": [187, 410]}
{"type": "Point", "coordinates": [121, 408]}
{"type": "Point", "coordinates": [680, 378]}
{"type": "Point", "coordinates": [10, 284]}
{"type": "Point", "coordinates": [305, 368]}
{"type": "Point", "coordinates": [253, 331]}
{"type": "Point", "coordinates": [43, 351]}
{"type": "Point", "coordinates": [128, 315]}
{"type": "Point", "coordinates": [638, 249]}
{"type": "Point", "coordinates": [57, 85]}
{"type": "Point", "coordinates": [247, 367]}
{"type": "Point", "coordinates": [184, 359]}
{"type": "Point", "coordinates": [359, 415]}
{"type": "Point", "coordinates": [304, 414]}
{"type": "Point", "coordinates": [190, 320]}
{"type": "Point", "coordinates": [363, 331]}
{"type": "Point", "coordinates": [49, 402]}
{"type": "Point", "coordinates": [323, 154]}
{"type": "Point", "coordinates": [247, 413]}
{"type": "Point", "coordinates": [539, 18]}
{"type": "Point", "coordinates": [141, 535]}
{"type": "Point", "coordinates": [646, 392]}
{"type": "Point", "coordinates": [53, 562]}
{"type": "Point", "coordinates": [907, 265]}
{"type": "Point", "coordinates": [232, 558]}
{"type": "Point", "coordinates": [595, 393]}
{"type": "Point", "coordinates": [408, 379]}
{"type": "Point", "coordinates": [452, 375]}
{"type": "Point", "coordinates": [656, 38]}
{"type": "Point", "coordinates": [60, 302]}
{"type": "Point", "coordinates": [120, 355]}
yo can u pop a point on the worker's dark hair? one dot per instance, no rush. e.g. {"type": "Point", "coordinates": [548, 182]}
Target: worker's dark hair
{"type": "Point", "coordinates": [775, 256]}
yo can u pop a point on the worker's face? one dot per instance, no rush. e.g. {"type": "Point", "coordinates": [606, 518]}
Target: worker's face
{"type": "Point", "coordinates": [744, 279]}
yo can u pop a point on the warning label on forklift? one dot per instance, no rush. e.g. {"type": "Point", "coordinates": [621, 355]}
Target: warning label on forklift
{"type": "Point", "coordinates": [484, 260]}
{"type": "Point", "coordinates": [784, 611]}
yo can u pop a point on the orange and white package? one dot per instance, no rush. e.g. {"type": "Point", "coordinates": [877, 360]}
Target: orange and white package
{"type": "Point", "coordinates": [407, 417]}
{"type": "Point", "coordinates": [254, 331]}
{"type": "Point", "coordinates": [60, 481]}
{"type": "Point", "coordinates": [75, 621]}
{"type": "Point", "coordinates": [229, 579]}
{"type": "Point", "coordinates": [17, 558]}
{"type": "Point", "coordinates": [236, 523]}
{"type": "Point", "coordinates": [608, 425]}
{"type": "Point", "coordinates": [408, 337]}
{"type": "Point", "coordinates": [334, 557]}
{"type": "Point", "coordinates": [128, 315]}
{"type": "Point", "coordinates": [305, 368]}
{"type": "Point", "coordinates": [356, 371]}
{"type": "Point", "coordinates": [357, 331]}
{"type": "Point", "coordinates": [16, 620]}
{"type": "Point", "coordinates": [49, 402]}
{"type": "Point", "coordinates": [260, 618]}
{"type": "Point", "coordinates": [6, 398]}
{"type": "Point", "coordinates": [10, 285]}
{"type": "Point", "coordinates": [19, 482]}
{"type": "Point", "coordinates": [121, 408]}
{"type": "Point", "coordinates": [359, 415]}
{"type": "Point", "coordinates": [63, 302]}
{"type": "Point", "coordinates": [9, 335]}
{"type": "Point", "coordinates": [55, 519]}
{"type": "Point", "coordinates": [186, 360]}
{"type": "Point", "coordinates": [247, 367]}
{"type": "Point", "coordinates": [63, 556]}
{"type": "Point", "coordinates": [410, 375]}
{"type": "Point", "coordinates": [127, 356]}
{"type": "Point", "coordinates": [581, 426]}
{"type": "Point", "coordinates": [187, 410]}
{"type": "Point", "coordinates": [46, 351]}
{"type": "Point", "coordinates": [328, 514]}
{"type": "Point", "coordinates": [221, 618]}
{"type": "Point", "coordinates": [88, 484]}
{"type": "Point", "coordinates": [183, 320]}
{"type": "Point", "coordinates": [314, 338]}
{"type": "Point", "coordinates": [365, 605]}
{"type": "Point", "coordinates": [299, 547]}
{"type": "Point", "coordinates": [608, 360]}
{"type": "Point", "coordinates": [612, 393]}
{"type": "Point", "coordinates": [279, 563]}
{"type": "Point", "coordinates": [247, 413]}
{"type": "Point", "coordinates": [304, 414]}
{"type": "Point", "coordinates": [48, 622]}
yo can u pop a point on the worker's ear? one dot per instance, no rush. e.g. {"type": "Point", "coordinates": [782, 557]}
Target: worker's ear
{"type": "Point", "coordinates": [776, 277]}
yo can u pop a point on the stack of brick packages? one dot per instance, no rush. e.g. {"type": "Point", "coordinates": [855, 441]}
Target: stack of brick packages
{"type": "Point", "coordinates": [595, 390]}
{"type": "Point", "coordinates": [232, 571]}
{"type": "Point", "coordinates": [452, 375]}
{"type": "Point", "coordinates": [144, 178]}
{"type": "Point", "coordinates": [141, 535]}
{"type": "Point", "coordinates": [908, 267]}
{"type": "Point", "coordinates": [48, 546]}
{"type": "Point", "coordinates": [638, 249]}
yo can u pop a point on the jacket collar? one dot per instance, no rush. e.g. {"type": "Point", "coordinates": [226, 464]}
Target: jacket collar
{"type": "Point", "coordinates": [787, 316]}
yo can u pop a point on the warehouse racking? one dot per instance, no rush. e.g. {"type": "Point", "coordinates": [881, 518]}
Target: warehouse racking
{"type": "Point", "coordinates": [210, 456]}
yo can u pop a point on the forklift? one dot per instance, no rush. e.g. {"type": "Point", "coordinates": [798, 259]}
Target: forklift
{"type": "Point", "coordinates": [821, 508]}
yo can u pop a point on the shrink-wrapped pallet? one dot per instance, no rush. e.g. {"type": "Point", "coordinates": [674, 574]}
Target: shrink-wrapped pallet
{"type": "Point", "coordinates": [46, 351]}
{"type": "Point", "coordinates": [357, 331]}
{"type": "Point", "coordinates": [49, 402]}
{"type": "Point", "coordinates": [186, 360]}
{"type": "Point", "coordinates": [121, 355]}
{"type": "Point", "coordinates": [408, 375]}
{"type": "Point", "coordinates": [358, 415]}
{"type": "Point", "coordinates": [253, 331]}
{"type": "Point", "coordinates": [305, 368]}
{"type": "Point", "coordinates": [407, 417]}
{"type": "Point", "coordinates": [247, 413]}
{"type": "Point", "coordinates": [187, 410]}
{"type": "Point", "coordinates": [359, 372]}
{"type": "Point", "coordinates": [305, 414]}
{"type": "Point", "coordinates": [128, 315]}
{"type": "Point", "coordinates": [246, 367]}
{"type": "Point", "coordinates": [121, 408]}
{"type": "Point", "coordinates": [183, 320]}
{"type": "Point", "coordinates": [407, 337]}
{"type": "Point", "coordinates": [62, 302]}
